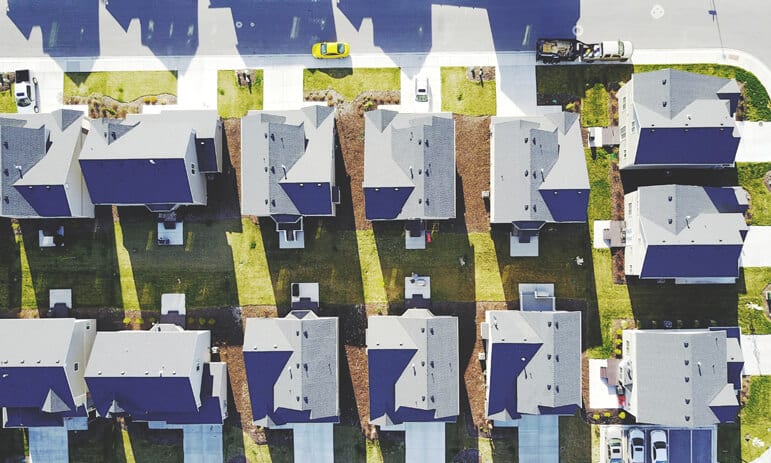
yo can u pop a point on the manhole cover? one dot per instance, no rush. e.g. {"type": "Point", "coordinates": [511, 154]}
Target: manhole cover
{"type": "Point", "coordinates": [657, 11]}
{"type": "Point", "coordinates": [578, 30]}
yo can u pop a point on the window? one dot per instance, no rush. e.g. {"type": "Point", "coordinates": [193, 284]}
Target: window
{"type": "Point", "coordinates": [623, 104]}
{"type": "Point", "coordinates": [76, 366]}
{"type": "Point", "coordinates": [192, 169]}
{"type": "Point", "coordinates": [634, 126]}
{"type": "Point", "coordinates": [623, 132]}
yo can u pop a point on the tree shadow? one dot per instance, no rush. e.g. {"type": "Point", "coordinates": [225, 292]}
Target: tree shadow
{"type": "Point", "coordinates": [86, 263]}
{"type": "Point", "coordinates": [68, 28]}
{"type": "Point", "coordinates": [350, 444]}
{"type": "Point", "coordinates": [168, 28]}
{"type": "Point", "coordinates": [634, 179]}
{"type": "Point", "coordinates": [288, 26]}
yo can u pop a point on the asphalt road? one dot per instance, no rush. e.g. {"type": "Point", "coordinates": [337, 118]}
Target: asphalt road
{"type": "Point", "coordinates": [72, 28]}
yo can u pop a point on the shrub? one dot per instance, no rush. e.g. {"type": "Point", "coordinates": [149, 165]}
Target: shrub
{"type": "Point", "coordinates": [126, 320]}
{"type": "Point", "coordinates": [459, 96]}
{"type": "Point", "coordinates": [201, 321]}
{"type": "Point", "coordinates": [212, 321]}
{"type": "Point", "coordinates": [221, 91]}
{"type": "Point", "coordinates": [253, 245]}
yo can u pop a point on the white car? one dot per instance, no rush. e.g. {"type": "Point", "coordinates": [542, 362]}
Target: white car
{"type": "Point", "coordinates": [422, 94]}
{"type": "Point", "coordinates": [659, 446]}
{"type": "Point", "coordinates": [636, 443]}
{"type": "Point", "coordinates": [614, 447]}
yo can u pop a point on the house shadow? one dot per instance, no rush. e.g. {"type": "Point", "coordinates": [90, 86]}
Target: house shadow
{"type": "Point", "coordinates": [85, 263]}
{"type": "Point", "coordinates": [634, 179]}
{"type": "Point", "coordinates": [202, 268]}
{"type": "Point", "coordinates": [10, 270]}
{"type": "Point", "coordinates": [66, 31]}
{"type": "Point", "coordinates": [168, 28]}
{"type": "Point", "coordinates": [285, 27]}
{"type": "Point", "coordinates": [668, 305]}
{"type": "Point", "coordinates": [574, 285]}
{"type": "Point", "coordinates": [513, 26]}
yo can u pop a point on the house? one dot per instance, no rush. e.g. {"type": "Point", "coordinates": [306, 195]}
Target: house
{"type": "Point", "coordinates": [414, 376]}
{"type": "Point", "coordinates": [690, 234]}
{"type": "Point", "coordinates": [409, 170]}
{"type": "Point", "coordinates": [41, 177]}
{"type": "Point", "coordinates": [288, 168]}
{"type": "Point", "coordinates": [684, 377]}
{"type": "Point", "coordinates": [533, 370]}
{"type": "Point", "coordinates": [42, 362]}
{"type": "Point", "coordinates": [160, 161]}
{"type": "Point", "coordinates": [165, 377]}
{"type": "Point", "coordinates": [538, 175]}
{"type": "Point", "coordinates": [670, 119]}
{"type": "Point", "coordinates": [293, 376]}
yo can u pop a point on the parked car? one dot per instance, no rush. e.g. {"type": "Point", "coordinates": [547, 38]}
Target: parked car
{"type": "Point", "coordinates": [422, 95]}
{"type": "Point", "coordinates": [330, 50]}
{"type": "Point", "coordinates": [26, 92]}
{"type": "Point", "coordinates": [659, 446]}
{"type": "Point", "coordinates": [614, 449]}
{"type": "Point", "coordinates": [636, 443]}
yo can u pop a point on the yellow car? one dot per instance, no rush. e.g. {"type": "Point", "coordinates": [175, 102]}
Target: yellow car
{"type": "Point", "coordinates": [330, 50]}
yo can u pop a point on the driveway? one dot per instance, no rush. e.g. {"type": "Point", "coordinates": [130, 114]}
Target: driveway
{"type": "Point", "coordinates": [755, 252]}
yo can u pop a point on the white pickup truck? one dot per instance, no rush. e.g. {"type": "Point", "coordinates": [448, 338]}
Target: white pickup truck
{"type": "Point", "coordinates": [556, 50]}
{"type": "Point", "coordinates": [25, 91]}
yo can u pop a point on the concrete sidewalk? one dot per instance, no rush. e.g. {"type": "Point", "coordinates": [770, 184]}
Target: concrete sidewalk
{"type": "Point", "coordinates": [515, 83]}
{"type": "Point", "coordinates": [756, 251]}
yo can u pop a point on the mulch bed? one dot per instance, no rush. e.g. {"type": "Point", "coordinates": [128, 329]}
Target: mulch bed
{"type": "Point", "coordinates": [109, 107]}
{"type": "Point", "coordinates": [472, 148]}
{"type": "Point", "coordinates": [483, 73]}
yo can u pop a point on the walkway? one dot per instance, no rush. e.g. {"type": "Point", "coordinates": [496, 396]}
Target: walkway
{"type": "Point", "coordinates": [756, 350]}
{"type": "Point", "coordinates": [755, 251]}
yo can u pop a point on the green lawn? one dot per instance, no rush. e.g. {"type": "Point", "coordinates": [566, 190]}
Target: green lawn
{"type": "Point", "coordinates": [575, 439]}
{"type": "Point", "coordinates": [599, 181]}
{"type": "Point", "coordinates": [462, 96]}
{"type": "Point", "coordinates": [13, 444]}
{"type": "Point", "coordinates": [122, 85]}
{"type": "Point", "coordinates": [86, 264]}
{"type": "Point", "coordinates": [729, 443]}
{"type": "Point", "coordinates": [202, 268]}
{"type": "Point", "coordinates": [7, 102]}
{"type": "Point", "coordinates": [756, 419]}
{"type": "Point", "coordinates": [574, 81]}
{"type": "Point", "coordinates": [440, 260]}
{"type": "Point", "coordinates": [237, 444]}
{"type": "Point", "coordinates": [758, 107]}
{"type": "Point", "coordinates": [594, 107]}
{"type": "Point", "coordinates": [754, 321]}
{"type": "Point", "coordinates": [330, 258]}
{"type": "Point", "coordinates": [105, 441]}
{"type": "Point", "coordinates": [751, 178]}
{"type": "Point", "coordinates": [235, 101]}
{"type": "Point", "coordinates": [349, 82]}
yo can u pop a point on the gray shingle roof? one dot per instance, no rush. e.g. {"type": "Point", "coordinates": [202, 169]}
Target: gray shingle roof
{"type": "Point", "coordinates": [312, 368]}
{"type": "Point", "coordinates": [148, 136]}
{"type": "Point", "coordinates": [163, 350]}
{"type": "Point", "coordinates": [433, 370]}
{"type": "Point", "coordinates": [675, 376]}
{"type": "Point", "coordinates": [531, 154]}
{"type": "Point", "coordinates": [670, 98]}
{"type": "Point", "coordinates": [412, 150]}
{"type": "Point", "coordinates": [284, 146]}
{"type": "Point", "coordinates": [552, 378]}
{"type": "Point", "coordinates": [44, 147]}
{"type": "Point", "coordinates": [683, 214]}
{"type": "Point", "coordinates": [34, 340]}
